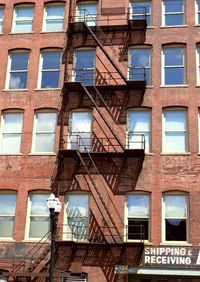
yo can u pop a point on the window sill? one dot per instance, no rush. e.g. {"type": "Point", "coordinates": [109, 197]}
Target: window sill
{"type": "Point", "coordinates": [148, 154]}
{"type": "Point", "coordinates": [149, 86]}
{"type": "Point", "coordinates": [11, 154]}
{"type": "Point", "coordinates": [150, 27]}
{"type": "Point", "coordinates": [175, 243]}
{"type": "Point", "coordinates": [42, 154]}
{"type": "Point", "coordinates": [51, 31]}
{"type": "Point", "coordinates": [176, 154]}
{"type": "Point", "coordinates": [20, 33]}
{"type": "Point", "coordinates": [196, 25]}
{"type": "Point", "coordinates": [15, 90]}
{"type": "Point", "coordinates": [175, 86]}
{"type": "Point", "coordinates": [197, 85]}
{"type": "Point", "coordinates": [47, 89]}
{"type": "Point", "coordinates": [173, 26]}
{"type": "Point", "coordinates": [9, 240]}
{"type": "Point", "coordinates": [146, 242]}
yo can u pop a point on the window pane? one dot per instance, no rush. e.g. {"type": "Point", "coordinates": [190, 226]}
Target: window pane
{"type": "Point", "coordinates": [1, 13]}
{"type": "Point", "coordinates": [174, 76]}
{"type": "Point", "coordinates": [54, 25]}
{"type": "Point", "coordinates": [175, 230]}
{"type": "Point", "coordinates": [13, 123]}
{"type": "Point", "coordinates": [19, 61]}
{"type": "Point", "coordinates": [11, 143]}
{"type": "Point", "coordinates": [46, 122]}
{"type": "Point", "coordinates": [175, 206]}
{"type": "Point", "coordinates": [50, 79]}
{"type": "Point", "coordinates": [87, 9]}
{"type": "Point", "coordinates": [174, 56]}
{"type": "Point", "coordinates": [77, 206]}
{"type": "Point", "coordinates": [23, 27]}
{"type": "Point", "coordinates": [85, 59]}
{"type": "Point", "coordinates": [77, 228]}
{"type": "Point", "coordinates": [39, 204]}
{"type": "Point", "coordinates": [198, 18]}
{"type": "Point", "coordinates": [55, 11]}
{"type": "Point", "coordinates": [81, 122]}
{"type": "Point", "coordinates": [39, 226]}
{"type": "Point", "coordinates": [136, 141]}
{"type": "Point", "coordinates": [51, 60]}
{"type": "Point", "coordinates": [175, 142]}
{"type": "Point", "coordinates": [7, 204]}
{"type": "Point", "coordinates": [139, 121]}
{"type": "Point", "coordinates": [138, 229]}
{"type": "Point", "coordinates": [174, 19]}
{"type": "Point", "coordinates": [138, 206]}
{"type": "Point", "coordinates": [173, 6]}
{"type": "Point", "coordinates": [138, 10]}
{"type": "Point", "coordinates": [45, 143]}
{"type": "Point", "coordinates": [18, 80]}
{"type": "Point", "coordinates": [25, 13]}
{"type": "Point", "coordinates": [175, 121]}
{"type": "Point", "coordinates": [6, 226]}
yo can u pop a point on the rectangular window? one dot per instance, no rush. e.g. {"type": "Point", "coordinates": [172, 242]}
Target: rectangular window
{"type": "Point", "coordinates": [7, 214]}
{"type": "Point", "coordinates": [1, 17]}
{"type": "Point", "coordinates": [11, 129]}
{"type": "Point", "coordinates": [87, 13]}
{"type": "Point", "coordinates": [142, 10]}
{"type": "Point", "coordinates": [18, 70]}
{"type": "Point", "coordinates": [174, 12]}
{"type": "Point", "coordinates": [54, 17]}
{"type": "Point", "coordinates": [140, 62]}
{"type": "Point", "coordinates": [197, 11]}
{"type": "Point", "coordinates": [23, 18]}
{"type": "Point", "coordinates": [174, 66]}
{"type": "Point", "coordinates": [50, 69]}
{"type": "Point", "coordinates": [175, 217]}
{"type": "Point", "coordinates": [139, 130]}
{"type": "Point", "coordinates": [77, 213]}
{"type": "Point", "coordinates": [45, 126]}
{"type": "Point", "coordinates": [138, 217]}
{"type": "Point", "coordinates": [39, 215]}
{"type": "Point", "coordinates": [175, 132]}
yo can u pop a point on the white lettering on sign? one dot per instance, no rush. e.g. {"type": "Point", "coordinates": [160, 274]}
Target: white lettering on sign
{"type": "Point", "coordinates": [167, 260]}
{"type": "Point", "coordinates": [198, 258]}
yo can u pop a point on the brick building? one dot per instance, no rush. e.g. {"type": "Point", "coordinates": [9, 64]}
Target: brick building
{"type": "Point", "coordinates": [99, 105]}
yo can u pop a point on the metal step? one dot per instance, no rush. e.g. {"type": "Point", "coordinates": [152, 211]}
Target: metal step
{"type": "Point", "coordinates": [74, 279]}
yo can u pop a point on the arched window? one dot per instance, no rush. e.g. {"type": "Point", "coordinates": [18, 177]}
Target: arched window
{"type": "Point", "coordinates": [54, 16]}
{"type": "Point", "coordinates": [23, 18]}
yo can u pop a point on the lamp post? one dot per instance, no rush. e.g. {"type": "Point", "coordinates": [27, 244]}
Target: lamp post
{"type": "Point", "coordinates": [54, 206]}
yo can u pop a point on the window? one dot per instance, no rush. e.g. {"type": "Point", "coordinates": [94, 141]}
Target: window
{"type": "Point", "coordinates": [139, 129]}
{"type": "Point", "coordinates": [38, 217]}
{"type": "Point", "coordinates": [77, 216]}
{"type": "Point", "coordinates": [7, 214]}
{"type": "Point", "coordinates": [198, 64]}
{"type": "Point", "coordinates": [18, 69]}
{"type": "Point", "coordinates": [142, 10]}
{"type": "Point", "coordinates": [174, 66]}
{"type": "Point", "coordinates": [50, 69]}
{"type": "Point", "coordinates": [175, 217]}
{"type": "Point", "coordinates": [1, 17]}
{"type": "Point", "coordinates": [140, 58]}
{"type": "Point", "coordinates": [87, 12]}
{"type": "Point", "coordinates": [23, 18]}
{"type": "Point", "coordinates": [197, 11]}
{"type": "Point", "coordinates": [84, 66]}
{"type": "Point", "coordinates": [175, 131]}
{"type": "Point", "coordinates": [80, 136]}
{"type": "Point", "coordinates": [54, 17]}
{"type": "Point", "coordinates": [174, 12]}
{"type": "Point", "coordinates": [138, 208]}
{"type": "Point", "coordinates": [44, 131]}
{"type": "Point", "coordinates": [11, 131]}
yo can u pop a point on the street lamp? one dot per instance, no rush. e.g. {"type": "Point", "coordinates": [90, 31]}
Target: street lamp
{"type": "Point", "coordinates": [54, 206]}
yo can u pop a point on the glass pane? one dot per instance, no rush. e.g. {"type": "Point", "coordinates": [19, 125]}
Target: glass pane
{"type": "Point", "coordinates": [0, 26]}
{"type": "Point", "coordinates": [81, 122]}
{"type": "Point", "coordinates": [140, 57]}
{"type": "Point", "coordinates": [18, 80]}
{"type": "Point", "coordinates": [174, 19]}
{"type": "Point", "coordinates": [1, 13]}
{"type": "Point", "coordinates": [175, 121]}
{"type": "Point", "coordinates": [6, 226]}
{"type": "Point", "coordinates": [85, 76]}
{"type": "Point", "coordinates": [23, 27]}
{"type": "Point", "coordinates": [77, 206]}
{"type": "Point", "coordinates": [11, 143]}
{"type": "Point", "coordinates": [77, 228]}
{"type": "Point", "coordinates": [51, 60]}
{"type": "Point", "coordinates": [139, 121]}
{"type": "Point", "coordinates": [174, 76]}
{"type": "Point", "coordinates": [175, 142]}
{"type": "Point", "coordinates": [174, 56]}
{"type": "Point", "coordinates": [87, 9]}
{"type": "Point", "coordinates": [46, 122]}
{"type": "Point", "coordinates": [45, 143]}
{"type": "Point", "coordinates": [175, 230]}
{"type": "Point", "coordinates": [85, 60]}
{"type": "Point", "coordinates": [25, 13]}
{"type": "Point", "coordinates": [39, 226]}
{"type": "Point", "coordinates": [138, 206]}
{"type": "Point", "coordinates": [174, 6]}
{"type": "Point", "coordinates": [138, 7]}
{"type": "Point", "coordinates": [175, 206]}
{"type": "Point", "coordinates": [7, 204]}
{"type": "Point", "coordinates": [13, 122]}
{"type": "Point", "coordinates": [39, 204]}
{"type": "Point", "coordinates": [138, 229]}
{"type": "Point", "coordinates": [136, 141]}
{"type": "Point", "coordinates": [199, 18]}
{"type": "Point", "coordinates": [54, 25]}
{"type": "Point", "coordinates": [55, 11]}
{"type": "Point", "coordinates": [19, 61]}
{"type": "Point", "coordinates": [50, 79]}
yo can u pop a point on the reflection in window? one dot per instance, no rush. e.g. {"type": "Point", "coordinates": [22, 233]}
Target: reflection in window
{"type": "Point", "coordinates": [23, 19]}
{"type": "Point", "coordinates": [142, 10]}
{"type": "Point", "coordinates": [174, 12]}
{"type": "Point", "coordinates": [1, 17]}
{"type": "Point", "coordinates": [138, 217]}
{"type": "Point", "coordinates": [54, 17]}
{"type": "Point", "coordinates": [174, 66]}
{"type": "Point", "coordinates": [175, 207]}
{"type": "Point", "coordinates": [87, 13]}
{"type": "Point", "coordinates": [175, 131]}
{"type": "Point", "coordinates": [7, 214]}
{"type": "Point", "coordinates": [18, 75]}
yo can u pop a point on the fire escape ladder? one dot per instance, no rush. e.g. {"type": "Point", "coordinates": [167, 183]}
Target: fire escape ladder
{"type": "Point", "coordinates": [102, 116]}
{"type": "Point", "coordinates": [103, 203]}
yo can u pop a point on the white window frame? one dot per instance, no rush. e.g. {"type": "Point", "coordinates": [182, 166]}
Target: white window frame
{"type": "Point", "coordinates": [197, 12]}
{"type": "Point", "coordinates": [9, 68]}
{"type": "Point", "coordinates": [80, 18]}
{"type": "Point", "coordinates": [2, 131]}
{"type": "Point", "coordinates": [7, 192]}
{"type": "Point", "coordinates": [172, 13]}
{"type": "Point", "coordinates": [180, 131]}
{"type": "Point", "coordinates": [45, 18]}
{"type": "Point", "coordinates": [164, 218]}
{"type": "Point", "coordinates": [18, 6]}
{"type": "Point", "coordinates": [65, 218]}
{"type": "Point", "coordinates": [175, 66]}
{"type": "Point", "coordinates": [46, 132]}
{"type": "Point", "coordinates": [126, 217]}
{"type": "Point", "coordinates": [147, 150]}
{"type": "Point", "coordinates": [147, 14]}
{"type": "Point", "coordinates": [1, 20]}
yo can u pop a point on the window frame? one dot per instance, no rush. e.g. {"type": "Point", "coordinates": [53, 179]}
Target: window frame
{"type": "Point", "coordinates": [186, 132]}
{"type": "Point", "coordinates": [177, 193]}
{"type": "Point", "coordinates": [184, 66]}
{"type": "Point", "coordinates": [9, 71]}
{"type": "Point", "coordinates": [10, 192]}
{"type": "Point", "coordinates": [146, 15]}
{"type": "Point", "coordinates": [49, 50]}
{"type": "Point", "coordinates": [2, 7]}
{"type": "Point", "coordinates": [173, 13]}
{"type": "Point", "coordinates": [34, 134]}
{"type": "Point", "coordinates": [198, 63]}
{"type": "Point", "coordinates": [45, 18]}
{"type": "Point", "coordinates": [139, 193]}
{"type": "Point", "coordinates": [14, 111]}
{"type": "Point", "coordinates": [18, 6]}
